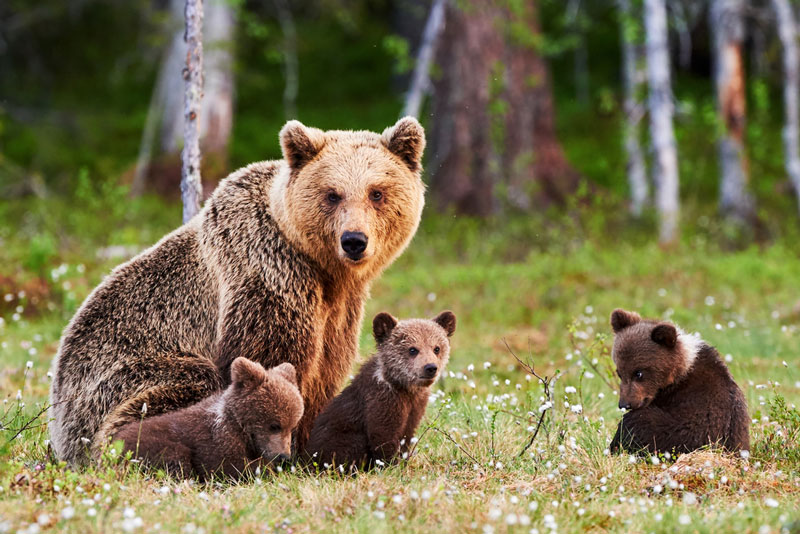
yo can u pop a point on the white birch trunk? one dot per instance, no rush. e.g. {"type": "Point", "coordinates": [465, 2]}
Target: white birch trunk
{"type": "Point", "coordinates": [290, 63]}
{"type": "Point", "coordinates": [191, 185]}
{"type": "Point", "coordinates": [665, 161]}
{"type": "Point", "coordinates": [420, 83]}
{"type": "Point", "coordinates": [632, 78]}
{"type": "Point", "coordinates": [787, 31]}
{"type": "Point", "coordinates": [727, 24]}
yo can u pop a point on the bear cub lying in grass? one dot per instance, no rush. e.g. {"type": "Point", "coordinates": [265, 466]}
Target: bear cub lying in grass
{"type": "Point", "coordinates": [247, 425]}
{"type": "Point", "coordinates": [375, 417]}
{"type": "Point", "coordinates": [680, 393]}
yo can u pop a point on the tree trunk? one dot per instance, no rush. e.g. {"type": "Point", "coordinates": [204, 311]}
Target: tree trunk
{"type": "Point", "coordinates": [787, 31]}
{"type": "Point", "coordinates": [420, 81]}
{"type": "Point", "coordinates": [494, 138]}
{"type": "Point", "coordinates": [727, 25]}
{"type": "Point", "coordinates": [216, 119]}
{"type": "Point", "coordinates": [191, 185]}
{"type": "Point", "coordinates": [665, 162]}
{"type": "Point", "coordinates": [290, 64]}
{"type": "Point", "coordinates": [632, 78]}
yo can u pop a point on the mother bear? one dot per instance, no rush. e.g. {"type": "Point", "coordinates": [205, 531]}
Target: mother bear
{"type": "Point", "coordinates": [275, 268]}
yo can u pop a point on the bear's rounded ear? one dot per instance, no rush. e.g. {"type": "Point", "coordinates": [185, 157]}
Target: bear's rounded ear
{"type": "Point", "coordinates": [665, 335]}
{"type": "Point", "coordinates": [621, 319]}
{"type": "Point", "coordinates": [406, 140]}
{"type": "Point", "coordinates": [287, 371]}
{"type": "Point", "coordinates": [247, 374]}
{"type": "Point", "coordinates": [446, 320]}
{"type": "Point", "coordinates": [300, 144]}
{"type": "Point", "coordinates": [382, 326]}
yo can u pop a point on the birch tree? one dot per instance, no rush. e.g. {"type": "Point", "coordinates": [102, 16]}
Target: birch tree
{"type": "Point", "coordinates": [787, 32]}
{"type": "Point", "coordinates": [420, 81]}
{"type": "Point", "coordinates": [632, 80]}
{"type": "Point", "coordinates": [727, 23]}
{"type": "Point", "coordinates": [665, 161]}
{"type": "Point", "coordinates": [191, 185]}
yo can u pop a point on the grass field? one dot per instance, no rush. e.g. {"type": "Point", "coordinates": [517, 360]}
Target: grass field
{"type": "Point", "coordinates": [544, 286]}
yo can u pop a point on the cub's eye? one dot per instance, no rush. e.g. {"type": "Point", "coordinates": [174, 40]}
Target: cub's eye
{"type": "Point", "coordinates": [436, 350]}
{"type": "Point", "coordinates": [274, 427]}
{"type": "Point", "coordinates": [334, 198]}
{"type": "Point", "coordinates": [637, 375]}
{"type": "Point", "coordinates": [413, 351]}
{"type": "Point", "coordinates": [376, 196]}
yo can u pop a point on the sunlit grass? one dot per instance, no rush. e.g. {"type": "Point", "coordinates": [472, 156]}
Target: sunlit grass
{"type": "Point", "coordinates": [548, 297]}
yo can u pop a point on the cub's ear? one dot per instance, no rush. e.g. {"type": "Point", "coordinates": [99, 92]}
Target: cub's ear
{"type": "Point", "coordinates": [300, 144]}
{"type": "Point", "coordinates": [665, 335]}
{"type": "Point", "coordinates": [446, 320]}
{"type": "Point", "coordinates": [382, 326]}
{"type": "Point", "coordinates": [247, 374]}
{"type": "Point", "coordinates": [621, 319]}
{"type": "Point", "coordinates": [406, 140]}
{"type": "Point", "coordinates": [287, 371]}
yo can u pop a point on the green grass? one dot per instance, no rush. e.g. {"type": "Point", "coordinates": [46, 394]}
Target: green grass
{"type": "Point", "coordinates": [545, 284]}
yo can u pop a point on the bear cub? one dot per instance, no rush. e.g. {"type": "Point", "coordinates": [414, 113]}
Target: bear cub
{"type": "Point", "coordinates": [374, 418]}
{"type": "Point", "coordinates": [679, 393]}
{"type": "Point", "coordinates": [247, 425]}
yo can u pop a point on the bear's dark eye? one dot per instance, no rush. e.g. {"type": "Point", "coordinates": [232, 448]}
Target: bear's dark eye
{"type": "Point", "coordinates": [637, 375]}
{"type": "Point", "coordinates": [376, 196]}
{"type": "Point", "coordinates": [436, 350]}
{"type": "Point", "coordinates": [274, 427]}
{"type": "Point", "coordinates": [334, 198]}
{"type": "Point", "coordinates": [413, 351]}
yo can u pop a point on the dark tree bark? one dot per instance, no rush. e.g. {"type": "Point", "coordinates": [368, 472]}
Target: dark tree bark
{"type": "Point", "coordinates": [493, 139]}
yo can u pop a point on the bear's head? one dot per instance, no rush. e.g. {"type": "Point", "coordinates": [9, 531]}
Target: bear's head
{"type": "Point", "coordinates": [413, 352]}
{"type": "Point", "coordinates": [352, 201]}
{"type": "Point", "coordinates": [267, 406]}
{"type": "Point", "coordinates": [650, 356]}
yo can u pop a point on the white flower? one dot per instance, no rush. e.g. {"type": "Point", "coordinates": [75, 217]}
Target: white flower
{"type": "Point", "coordinates": [486, 365]}
{"type": "Point", "coordinates": [68, 513]}
{"type": "Point", "coordinates": [470, 368]}
{"type": "Point", "coordinates": [29, 364]}
{"type": "Point", "coordinates": [570, 389]}
{"type": "Point", "coordinates": [689, 498]}
{"type": "Point", "coordinates": [770, 502]}
{"type": "Point", "coordinates": [684, 519]}
{"type": "Point", "coordinates": [91, 512]}
{"type": "Point", "coordinates": [495, 513]}
{"type": "Point", "coordinates": [744, 454]}
{"type": "Point", "coordinates": [576, 408]}
{"type": "Point", "coordinates": [533, 506]}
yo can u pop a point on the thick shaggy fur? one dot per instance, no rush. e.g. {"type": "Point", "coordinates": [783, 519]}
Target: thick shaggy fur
{"type": "Point", "coordinates": [680, 393]}
{"type": "Point", "coordinates": [260, 272]}
{"type": "Point", "coordinates": [247, 426]}
{"type": "Point", "coordinates": [375, 417]}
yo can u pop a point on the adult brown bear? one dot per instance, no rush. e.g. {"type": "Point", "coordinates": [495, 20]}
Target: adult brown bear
{"type": "Point", "coordinates": [275, 268]}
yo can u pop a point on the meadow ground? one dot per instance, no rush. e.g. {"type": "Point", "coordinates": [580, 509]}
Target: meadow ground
{"type": "Point", "coordinates": [544, 286]}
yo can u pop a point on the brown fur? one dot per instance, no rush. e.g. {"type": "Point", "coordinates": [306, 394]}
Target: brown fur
{"type": "Point", "coordinates": [375, 417]}
{"type": "Point", "coordinates": [248, 425]}
{"type": "Point", "coordinates": [259, 273]}
{"type": "Point", "coordinates": [680, 393]}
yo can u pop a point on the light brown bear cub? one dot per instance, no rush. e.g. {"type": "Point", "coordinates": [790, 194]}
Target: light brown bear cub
{"type": "Point", "coordinates": [680, 393]}
{"type": "Point", "coordinates": [247, 425]}
{"type": "Point", "coordinates": [375, 417]}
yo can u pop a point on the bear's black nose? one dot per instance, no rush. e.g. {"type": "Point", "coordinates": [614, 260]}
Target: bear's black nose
{"type": "Point", "coordinates": [354, 244]}
{"type": "Point", "coordinates": [624, 405]}
{"type": "Point", "coordinates": [430, 370]}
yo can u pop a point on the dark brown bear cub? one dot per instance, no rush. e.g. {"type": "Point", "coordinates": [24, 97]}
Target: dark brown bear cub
{"type": "Point", "coordinates": [375, 417]}
{"type": "Point", "coordinates": [680, 393]}
{"type": "Point", "coordinates": [247, 425]}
